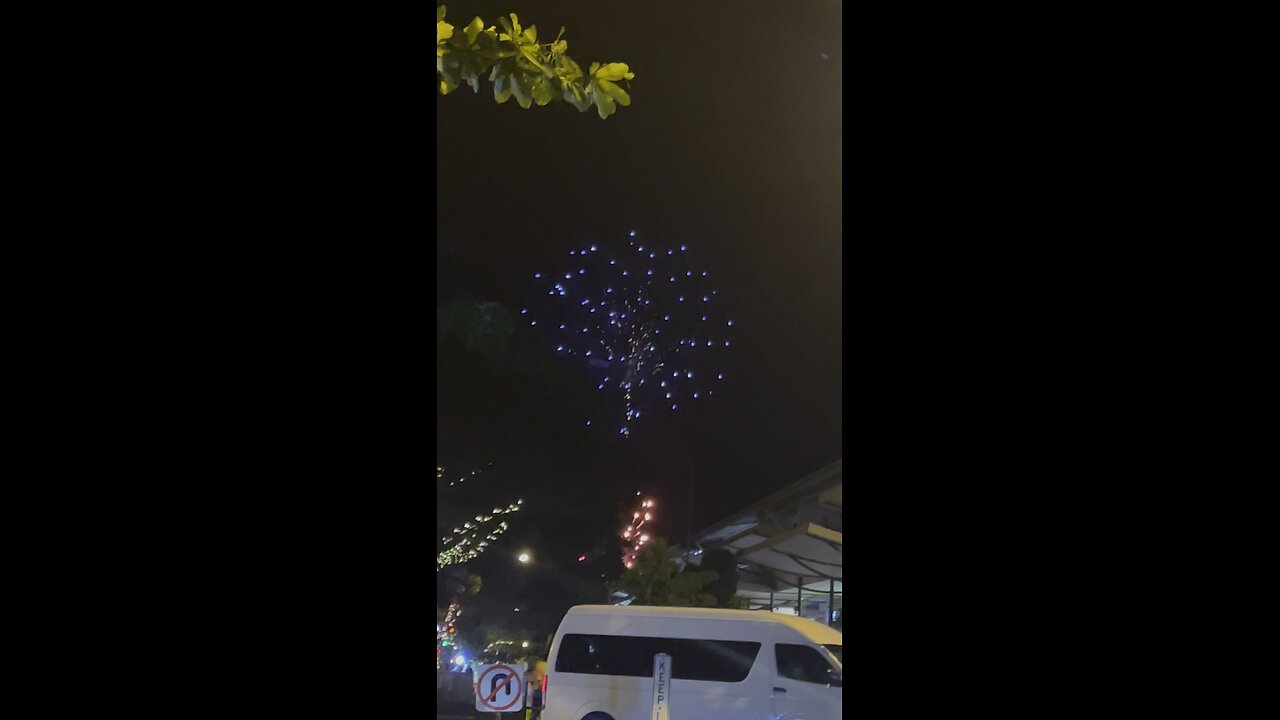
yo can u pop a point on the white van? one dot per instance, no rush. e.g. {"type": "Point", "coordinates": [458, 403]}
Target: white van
{"type": "Point", "coordinates": [725, 665]}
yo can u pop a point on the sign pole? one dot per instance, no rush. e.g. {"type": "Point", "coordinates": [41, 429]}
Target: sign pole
{"type": "Point", "coordinates": [661, 687]}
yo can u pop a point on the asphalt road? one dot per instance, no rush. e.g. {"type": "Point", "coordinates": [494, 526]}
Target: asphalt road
{"type": "Point", "coordinates": [462, 712]}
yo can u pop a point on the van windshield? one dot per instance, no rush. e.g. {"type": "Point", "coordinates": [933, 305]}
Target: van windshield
{"type": "Point", "coordinates": [837, 650]}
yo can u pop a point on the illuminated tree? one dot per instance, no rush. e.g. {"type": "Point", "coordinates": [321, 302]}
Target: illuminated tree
{"type": "Point", "coordinates": [520, 67]}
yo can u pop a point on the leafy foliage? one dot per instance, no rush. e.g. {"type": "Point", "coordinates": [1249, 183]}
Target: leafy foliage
{"type": "Point", "coordinates": [725, 566]}
{"type": "Point", "coordinates": [520, 67]}
{"type": "Point", "coordinates": [656, 580]}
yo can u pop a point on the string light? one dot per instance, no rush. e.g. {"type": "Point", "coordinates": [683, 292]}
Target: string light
{"type": "Point", "coordinates": [470, 540]}
{"type": "Point", "coordinates": [636, 288]}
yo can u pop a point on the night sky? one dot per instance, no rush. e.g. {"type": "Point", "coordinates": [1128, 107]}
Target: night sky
{"type": "Point", "coordinates": [732, 145]}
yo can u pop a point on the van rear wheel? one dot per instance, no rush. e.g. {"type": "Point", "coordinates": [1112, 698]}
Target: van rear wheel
{"type": "Point", "coordinates": [598, 716]}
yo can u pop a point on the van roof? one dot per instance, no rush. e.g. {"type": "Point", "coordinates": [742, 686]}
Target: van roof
{"type": "Point", "coordinates": [816, 631]}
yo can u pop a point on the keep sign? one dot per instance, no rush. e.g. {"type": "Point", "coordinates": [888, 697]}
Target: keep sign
{"type": "Point", "coordinates": [661, 687]}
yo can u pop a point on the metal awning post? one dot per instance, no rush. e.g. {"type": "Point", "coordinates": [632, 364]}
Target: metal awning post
{"type": "Point", "coordinates": [799, 596]}
{"type": "Point", "coordinates": [831, 601]}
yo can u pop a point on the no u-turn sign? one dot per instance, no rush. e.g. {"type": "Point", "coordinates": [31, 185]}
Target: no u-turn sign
{"type": "Point", "coordinates": [499, 688]}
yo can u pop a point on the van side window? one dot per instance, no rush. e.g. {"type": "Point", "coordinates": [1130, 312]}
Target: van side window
{"type": "Point", "coordinates": [803, 663]}
{"type": "Point", "coordinates": [632, 656]}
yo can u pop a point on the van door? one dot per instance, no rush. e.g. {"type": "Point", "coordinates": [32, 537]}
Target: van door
{"type": "Point", "coordinates": [806, 684]}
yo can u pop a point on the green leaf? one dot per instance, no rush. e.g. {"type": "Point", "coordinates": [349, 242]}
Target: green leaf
{"type": "Point", "coordinates": [531, 33]}
{"type": "Point", "coordinates": [613, 72]}
{"type": "Point", "coordinates": [540, 88]}
{"type": "Point", "coordinates": [576, 96]}
{"type": "Point", "coordinates": [447, 87]}
{"type": "Point", "coordinates": [440, 13]}
{"type": "Point", "coordinates": [567, 69]}
{"type": "Point", "coordinates": [605, 106]}
{"type": "Point", "coordinates": [444, 31]}
{"type": "Point", "coordinates": [520, 88]}
{"type": "Point", "coordinates": [473, 29]}
{"type": "Point", "coordinates": [592, 69]}
{"type": "Point", "coordinates": [502, 89]}
{"type": "Point", "coordinates": [615, 92]}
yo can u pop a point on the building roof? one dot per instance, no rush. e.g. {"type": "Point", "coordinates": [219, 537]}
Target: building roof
{"type": "Point", "coordinates": [791, 538]}
{"type": "Point", "coordinates": [808, 627]}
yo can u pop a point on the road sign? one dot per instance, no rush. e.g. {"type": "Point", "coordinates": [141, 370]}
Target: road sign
{"type": "Point", "coordinates": [500, 687]}
{"type": "Point", "coordinates": [661, 687]}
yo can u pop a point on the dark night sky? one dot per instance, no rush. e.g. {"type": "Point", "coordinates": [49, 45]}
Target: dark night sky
{"type": "Point", "coordinates": [732, 145]}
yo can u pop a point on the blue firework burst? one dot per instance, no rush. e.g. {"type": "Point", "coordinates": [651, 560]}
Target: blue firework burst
{"type": "Point", "coordinates": [644, 322]}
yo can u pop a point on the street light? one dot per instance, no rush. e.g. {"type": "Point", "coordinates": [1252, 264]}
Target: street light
{"type": "Point", "coordinates": [524, 558]}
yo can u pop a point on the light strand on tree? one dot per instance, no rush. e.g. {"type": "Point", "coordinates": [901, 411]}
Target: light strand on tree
{"type": "Point", "coordinates": [473, 537]}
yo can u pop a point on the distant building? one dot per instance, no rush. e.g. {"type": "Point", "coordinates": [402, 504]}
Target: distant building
{"type": "Point", "coordinates": [789, 547]}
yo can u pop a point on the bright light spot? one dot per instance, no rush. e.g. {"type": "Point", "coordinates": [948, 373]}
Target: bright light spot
{"type": "Point", "coordinates": [633, 233]}
{"type": "Point", "coordinates": [524, 557]}
{"type": "Point", "coordinates": [458, 660]}
{"type": "Point", "coordinates": [525, 644]}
